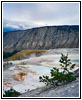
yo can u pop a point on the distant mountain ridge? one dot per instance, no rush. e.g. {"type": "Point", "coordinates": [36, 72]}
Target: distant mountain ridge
{"type": "Point", "coordinates": [48, 37]}
{"type": "Point", "coordinates": [8, 29]}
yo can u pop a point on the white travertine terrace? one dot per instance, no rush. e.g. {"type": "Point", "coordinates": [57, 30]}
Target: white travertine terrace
{"type": "Point", "coordinates": [34, 67]}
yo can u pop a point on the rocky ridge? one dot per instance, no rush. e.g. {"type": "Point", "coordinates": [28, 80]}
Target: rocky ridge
{"type": "Point", "coordinates": [48, 37]}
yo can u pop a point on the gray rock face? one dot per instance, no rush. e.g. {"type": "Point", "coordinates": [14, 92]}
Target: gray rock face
{"type": "Point", "coordinates": [67, 90]}
{"type": "Point", "coordinates": [49, 37]}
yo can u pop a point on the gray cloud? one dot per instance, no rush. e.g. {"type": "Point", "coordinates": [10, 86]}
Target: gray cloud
{"type": "Point", "coordinates": [40, 14]}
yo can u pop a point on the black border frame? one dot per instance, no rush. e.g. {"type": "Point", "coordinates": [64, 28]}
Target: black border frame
{"type": "Point", "coordinates": [79, 54]}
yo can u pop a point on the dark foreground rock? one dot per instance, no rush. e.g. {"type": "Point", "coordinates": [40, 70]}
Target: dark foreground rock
{"type": "Point", "coordinates": [67, 90]}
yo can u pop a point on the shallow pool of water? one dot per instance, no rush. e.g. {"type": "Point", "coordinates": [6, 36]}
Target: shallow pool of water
{"type": "Point", "coordinates": [42, 69]}
{"type": "Point", "coordinates": [75, 61]}
{"type": "Point", "coordinates": [46, 69]}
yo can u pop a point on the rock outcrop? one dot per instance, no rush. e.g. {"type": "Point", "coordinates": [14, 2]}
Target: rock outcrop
{"type": "Point", "coordinates": [48, 37]}
{"type": "Point", "coordinates": [66, 90]}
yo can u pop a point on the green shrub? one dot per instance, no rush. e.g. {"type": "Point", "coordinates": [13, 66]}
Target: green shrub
{"type": "Point", "coordinates": [11, 93]}
{"type": "Point", "coordinates": [60, 77]}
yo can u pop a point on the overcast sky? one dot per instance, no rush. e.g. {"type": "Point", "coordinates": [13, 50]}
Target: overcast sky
{"type": "Point", "coordinates": [40, 14]}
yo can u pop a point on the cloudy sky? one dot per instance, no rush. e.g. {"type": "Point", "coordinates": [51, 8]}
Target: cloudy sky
{"type": "Point", "coordinates": [27, 15]}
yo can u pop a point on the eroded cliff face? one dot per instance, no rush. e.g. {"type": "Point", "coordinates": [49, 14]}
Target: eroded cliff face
{"type": "Point", "coordinates": [49, 37]}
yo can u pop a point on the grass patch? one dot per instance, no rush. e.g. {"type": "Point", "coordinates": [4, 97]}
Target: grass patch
{"type": "Point", "coordinates": [27, 53]}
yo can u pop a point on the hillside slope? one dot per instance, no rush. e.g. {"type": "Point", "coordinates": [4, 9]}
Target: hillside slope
{"type": "Point", "coordinates": [26, 54]}
{"type": "Point", "coordinates": [67, 90]}
{"type": "Point", "coordinates": [48, 37]}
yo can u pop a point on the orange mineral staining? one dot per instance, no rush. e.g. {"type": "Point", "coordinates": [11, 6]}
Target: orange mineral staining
{"type": "Point", "coordinates": [7, 84]}
{"type": "Point", "coordinates": [20, 76]}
